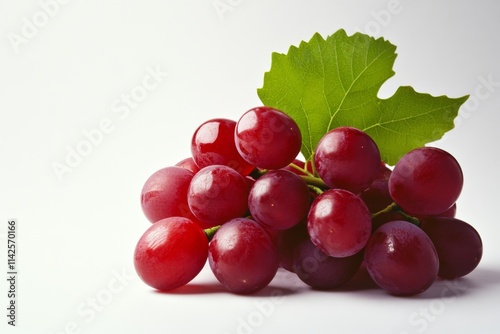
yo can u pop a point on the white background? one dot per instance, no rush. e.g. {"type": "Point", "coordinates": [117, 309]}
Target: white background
{"type": "Point", "coordinates": [77, 233]}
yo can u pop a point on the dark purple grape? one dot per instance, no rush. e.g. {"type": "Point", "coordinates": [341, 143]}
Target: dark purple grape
{"type": "Point", "coordinates": [376, 196]}
{"type": "Point", "coordinates": [426, 181]}
{"type": "Point", "coordinates": [401, 258]}
{"type": "Point", "coordinates": [339, 223]}
{"type": "Point", "coordinates": [287, 241]}
{"type": "Point", "coordinates": [347, 158]}
{"type": "Point", "coordinates": [213, 144]}
{"type": "Point", "coordinates": [242, 256]}
{"type": "Point", "coordinates": [457, 243]}
{"type": "Point", "coordinates": [267, 138]}
{"type": "Point", "coordinates": [321, 271]}
{"type": "Point", "coordinates": [279, 199]}
{"type": "Point", "coordinates": [217, 194]}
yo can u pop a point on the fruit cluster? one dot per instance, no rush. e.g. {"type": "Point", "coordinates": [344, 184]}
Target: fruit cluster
{"type": "Point", "coordinates": [245, 202]}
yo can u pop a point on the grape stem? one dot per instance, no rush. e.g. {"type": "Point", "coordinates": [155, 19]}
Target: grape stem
{"type": "Point", "coordinates": [314, 181]}
{"type": "Point", "coordinates": [316, 190]}
{"type": "Point", "coordinates": [393, 207]}
{"type": "Point", "coordinates": [302, 170]}
{"type": "Point", "coordinates": [210, 232]}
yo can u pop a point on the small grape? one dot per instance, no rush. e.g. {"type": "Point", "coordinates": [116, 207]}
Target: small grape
{"type": "Point", "coordinates": [347, 158]}
{"type": "Point", "coordinates": [426, 181]}
{"type": "Point", "coordinates": [457, 243]}
{"type": "Point", "coordinates": [188, 164]}
{"type": "Point", "coordinates": [267, 138]}
{"type": "Point", "coordinates": [401, 258]}
{"type": "Point", "coordinates": [171, 253]}
{"type": "Point", "coordinates": [339, 223]}
{"type": "Point", "coordinates": [242, 256]}
{"type": "Point", "coordinates": [279, 199]}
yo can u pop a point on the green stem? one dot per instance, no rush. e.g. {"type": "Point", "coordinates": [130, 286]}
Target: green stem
{"type": "Point", "coordinates": [302, 170]}
{"type": "Point", "coordinates": [316, 190]}
{"type": "Point", "coordinates": [314, 181]}
{"type": "Point", "coordinates": [210, 232]}
{"type": "Point", "coordinates": [393, 207]}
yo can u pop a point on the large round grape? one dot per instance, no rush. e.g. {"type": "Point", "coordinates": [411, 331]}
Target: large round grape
{"type": "Point", "coordinates": [339, 223]}
{"type": "Point", "coordinates": [242, 256]}
{"type": "Point", "coordinates": [279, 199]}
{"type": "Point", "coordinates": [171, 253]}
{"type": "Point", "coordinates": [267, 138]}
{"type": "Point", "coordinates": [217, 194]}
{"type": "Point", "coordinates": [164, 194]}
{"type": "Point", "coordinates": [347, 158]}
{"type": "Point", "coordinates": [321, 271]}
{"type": "Point", "coordinates": [213, 144]}
{"type": "Point", "coordinates": [457, 243]}
{"type": "Point", "coordinates": [426, 181]}
{"type": "Point", "coordinates": [401, 258]}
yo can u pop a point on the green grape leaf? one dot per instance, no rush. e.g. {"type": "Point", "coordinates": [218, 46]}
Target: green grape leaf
{"type": "Point", "coordinates": [326, 83]}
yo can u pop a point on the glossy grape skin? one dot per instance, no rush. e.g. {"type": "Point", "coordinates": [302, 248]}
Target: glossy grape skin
{"type": "Point", "coordinates": [401, 258]}
{"type": "Point", "coordinates": [347, 158]}
{"type": "Point", "coordinates": [279, 199]}
{"type": "Point", "coordinates": [217, 194]}
{"type": "Point", "coordinates": [171, 253]}
{"type": "Point", "coordinates": [242, 256]}
{"type": "Point", "coordinates": [213, 144]}
{"type": "Point", "coordinates": [164, 194]}
{"type": "Point", "coordinates": [267, 138]}
{"type": "Point", "coordinates": [426, 181]}
{"type": "Point", "coordinates": [188, 164]}
{"type": "Point", "coordinates": [321, 271]}
{"type": "Point", "coordinates": [339, 223]}
{"type": "Point", "coordinates": [458, 245]}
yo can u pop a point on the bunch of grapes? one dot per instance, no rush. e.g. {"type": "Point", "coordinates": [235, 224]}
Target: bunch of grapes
{"type": "Point", "coordinates": [245, 202]}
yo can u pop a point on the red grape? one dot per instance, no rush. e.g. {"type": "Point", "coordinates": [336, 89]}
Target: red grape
{"type": "Point", "coordinates": [213, 144]}
{"type": "Point", "coordinates": [188, 164]}
{"type": "Point", "coordinates": [217, 194]}
{"type": "Point", "coordinates": [339, 223]}
{"type": "Point", "coordinates": [165, 194]}
{"type": "Point", "coordinates": [401, 258]}
{"type": "Point", "coordinates": [171, 253]}
{"type": "Point", "coordinates": [279, 199]}
{"type": "Point", "coordinates": [267, 138]}
{"type": "Point", "coordinates": [426, 181]}
{"type": "Point", "coordinates": [347, 158]}
{"type": "Point", "coordinates": [242, 256]}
